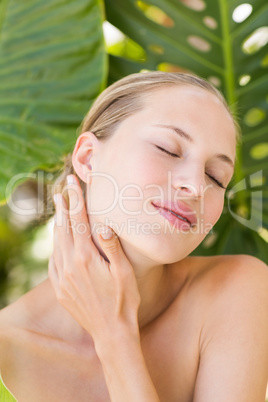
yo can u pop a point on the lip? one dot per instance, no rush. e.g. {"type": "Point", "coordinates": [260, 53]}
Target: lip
{"type": "Point", "coordinates": [179, 208]}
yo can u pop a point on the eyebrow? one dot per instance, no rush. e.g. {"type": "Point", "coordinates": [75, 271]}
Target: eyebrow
{"type": "Point", "coordinates": [183, 134]}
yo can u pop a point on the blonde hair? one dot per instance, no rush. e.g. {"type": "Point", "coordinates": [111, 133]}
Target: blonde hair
{"type": "Point", "coordinates": [122, 99]}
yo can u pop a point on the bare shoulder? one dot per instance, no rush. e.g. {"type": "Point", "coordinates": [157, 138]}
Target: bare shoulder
{"type": "Point", "coordinates": [230, 284]}
{"type": "Point", "coordinates": [233, 293]}
{"type": "Point", "coordinates": [28, 313]}
{"type": "Point", "coordinates": [227, 273]}
{"type": "Point", "coordinates": [35, 317]}
{"type": "Point", "coordinates": [21, 312]}
{"type": "Point", "coordinates": [26, 326]}
{"type": "Point", "coordinates": [10, 321]}
{"type": "Point", "coordinates": [237, 284]}
{"type": "Point", "coordinates": [222, 279]}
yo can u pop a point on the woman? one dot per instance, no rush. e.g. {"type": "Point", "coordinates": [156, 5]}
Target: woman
{"type": "Point", "coordinates": [132, 317]}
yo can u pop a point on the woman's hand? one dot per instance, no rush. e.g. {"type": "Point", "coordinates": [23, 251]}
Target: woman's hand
{"type": "Point", "coordinates": [102, 296]}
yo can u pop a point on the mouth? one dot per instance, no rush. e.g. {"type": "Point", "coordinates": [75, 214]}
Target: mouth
{"type": "Point", "coordinates": [179, 216]}
{"type": "Point", "coordinates": [181, 211]}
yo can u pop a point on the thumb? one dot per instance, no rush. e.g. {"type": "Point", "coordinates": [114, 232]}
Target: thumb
{"type": "Point", "coordinates": [106, 233]}
{"type": "Point", "coordinates": [111, 245]}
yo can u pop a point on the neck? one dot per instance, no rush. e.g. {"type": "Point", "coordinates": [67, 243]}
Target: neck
{"type": "Point", "coordinates": [154, 283]}
{"type": "Point", "coordinates": [158, 286]}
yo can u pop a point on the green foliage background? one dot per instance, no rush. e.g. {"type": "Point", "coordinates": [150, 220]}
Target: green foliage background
{"type": "Point", "coordinates": [54, 62]}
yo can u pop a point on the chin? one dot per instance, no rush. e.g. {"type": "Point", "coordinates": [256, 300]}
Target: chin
{"type": "Point", "coordinates": [160, 248]}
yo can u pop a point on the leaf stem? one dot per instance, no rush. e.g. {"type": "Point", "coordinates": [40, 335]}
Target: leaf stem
{"type": "Point", "coordinates": [230, 85]}
{"type": "Point", "coordinates": [134, 22]}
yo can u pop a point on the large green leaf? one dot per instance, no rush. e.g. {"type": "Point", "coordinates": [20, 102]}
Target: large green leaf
{"type": "Point", "coordinates": [202, 37]}
{"type": "Point", "coordinates": [52, 66]}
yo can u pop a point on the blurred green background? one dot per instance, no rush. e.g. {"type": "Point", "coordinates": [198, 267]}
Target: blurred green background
{"type": "Point", "coordinates": [57, 56]}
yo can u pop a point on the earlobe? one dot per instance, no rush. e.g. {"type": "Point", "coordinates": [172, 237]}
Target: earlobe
{"type": "Point", "coordinates": [82, 155]}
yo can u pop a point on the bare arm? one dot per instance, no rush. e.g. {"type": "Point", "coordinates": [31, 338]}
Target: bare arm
{"type": "Point", "coordinates": [234, 342]}
{"type": "Point", "coordinates": [125, 371]}
{"type": "Point", "coordinates": [103, 298]}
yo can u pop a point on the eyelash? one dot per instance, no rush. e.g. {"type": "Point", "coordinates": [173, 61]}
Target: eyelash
{"type": "Point", "coordinates": [177, 156]}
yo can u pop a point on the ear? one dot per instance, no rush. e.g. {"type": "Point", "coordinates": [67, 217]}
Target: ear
{"type": "Point", "coordinates": [86, 145]}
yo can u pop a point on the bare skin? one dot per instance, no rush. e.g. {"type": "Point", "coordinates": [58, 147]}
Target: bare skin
{"type": "Point", "coordinates": [46, 355]}
{"type": "Point", "coordinates": [201, 330]}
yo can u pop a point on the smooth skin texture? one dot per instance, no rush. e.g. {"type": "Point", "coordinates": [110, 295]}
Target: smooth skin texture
{"type": "Point", "coordinates": [153, 324]}
{"type": "Point", "coordinates": [104, 299]}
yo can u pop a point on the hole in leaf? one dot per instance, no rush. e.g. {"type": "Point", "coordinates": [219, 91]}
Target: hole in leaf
{"type": "Point", "coordinates": [128, 49]}
{"type": "Point", "coordinates": [254, 117]}
{"type": "Point", "coordinates": [210, 22]}
{"type": "Point", "coordinates": [259, 151]}
{"type": "Point", "coordinates": [157, 49]}
{"type": "Point", "coordinates": [155, 14]}
{"type": "Point", "coordinates": [264, 62]}
{"type": "Point", "coordinates": [244, 80]}
{"type": "Point", "coordinates": [172, 68]}
{"type": "Point", "coordinates": [119, 44]}
{"type": "Point", "coordinates": [196, 5]}
{"type": "Point", "coordinates": [255, 41]}
{"type": "Point", "coordinates": [242, 12]}
{"type": "Point", "coordinates": [215, 81]}
{"type": "Point", "coordinates": [199, 43]}
{"type": "Point", "coordinates": [112, 34]}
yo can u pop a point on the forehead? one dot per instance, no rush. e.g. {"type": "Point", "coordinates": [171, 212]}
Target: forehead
{"type": "Point", "coordinates": [194, 110]}
{"type": "Point", "coordinates": [198, 110]}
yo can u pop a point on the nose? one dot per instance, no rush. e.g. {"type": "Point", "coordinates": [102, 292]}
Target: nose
{"type": "Point", "coordinates": [189, 180]}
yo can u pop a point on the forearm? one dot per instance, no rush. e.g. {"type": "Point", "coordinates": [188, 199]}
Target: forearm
{"type": "Point", "coordinates": [125, 371]}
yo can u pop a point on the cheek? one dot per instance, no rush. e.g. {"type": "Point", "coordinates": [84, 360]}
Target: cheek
{"type": "Point", "coordinates": [139, 171]}
{"type": "Point", "coordinates": [124, 194]}
{"type": "Point", "coordinates": [213, 208]}
{"type": "Point", "coordinates": [146, 171]}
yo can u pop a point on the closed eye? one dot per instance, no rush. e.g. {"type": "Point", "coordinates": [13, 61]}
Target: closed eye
{"type": "Point", "coordinates": [216, 181]}
{"type": "Point", "coordinates": [167, 152]}
{"type": "Point", "coordinates": [177, 156]}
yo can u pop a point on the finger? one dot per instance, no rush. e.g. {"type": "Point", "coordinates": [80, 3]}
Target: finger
{"type": "Point", "coordinates": [63, 239]}
{"type": "Point", "coordinates": [111, 246]}
{"type": "Point", "coordinates": [78, 216]}
{"type": "Point", "coordinates": [53, 274]}
{"type": "Point", "coordinates": [62, 227]}
{"type": "Point", "coordinates": [57, 253]}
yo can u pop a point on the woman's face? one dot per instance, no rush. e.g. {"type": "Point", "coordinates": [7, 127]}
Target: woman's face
{"type": "Point", "coordinates": [132, 175]}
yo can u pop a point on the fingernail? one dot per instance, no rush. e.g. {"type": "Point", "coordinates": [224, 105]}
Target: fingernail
{"type": "Point", "coordinates": [106, 234]}
{"type": "Point", "coordinates": [70, 179]}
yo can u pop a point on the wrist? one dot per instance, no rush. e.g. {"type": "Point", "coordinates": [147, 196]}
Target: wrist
{"type": "Point", "coordinates": [116, 342]}
{"type": "Point", "coordinates": [125, 371]}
